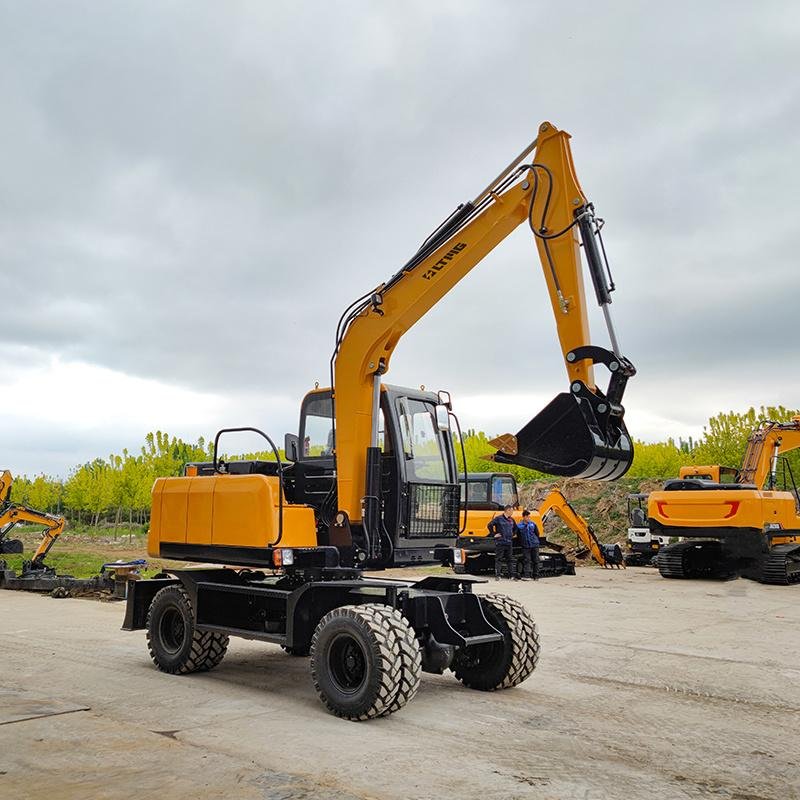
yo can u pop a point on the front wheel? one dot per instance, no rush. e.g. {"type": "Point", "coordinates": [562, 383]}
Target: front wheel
{"type": "Point", "coordinates": [175, 645]}
{"type": "Point", "coordinates": [365, 661]}
{"type": "Point", "coordinates": [501, 665]}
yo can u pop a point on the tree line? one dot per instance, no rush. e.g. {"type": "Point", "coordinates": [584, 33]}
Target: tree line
{"type": "Point", "coordinates": [116, 490]}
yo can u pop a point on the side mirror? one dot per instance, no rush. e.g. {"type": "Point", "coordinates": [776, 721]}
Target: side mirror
{"type": "Point", "coordinates": [442, 418]}
{"type": "Point", "coordinates": [291, 446]}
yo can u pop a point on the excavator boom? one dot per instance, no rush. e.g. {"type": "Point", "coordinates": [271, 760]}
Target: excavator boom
{"type": "Point", "coordinates": [581, 432]}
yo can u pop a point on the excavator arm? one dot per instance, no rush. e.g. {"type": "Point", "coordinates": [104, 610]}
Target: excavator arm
{"type": "Point", "coordinates": [55, 525]}
{"type": "Point", "coordinates": [604, 555]}
{"type": "Point", "coordinates": [581, 432]}
{"type": "Point", "coordinates": [764, 446]}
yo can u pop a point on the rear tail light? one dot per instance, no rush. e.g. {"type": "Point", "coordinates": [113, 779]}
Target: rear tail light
{"type": "Point", "coordinates": [283, 557]}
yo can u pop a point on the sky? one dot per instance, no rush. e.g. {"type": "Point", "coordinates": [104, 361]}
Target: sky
{"type": "Point", "coordinates": [192, 192]}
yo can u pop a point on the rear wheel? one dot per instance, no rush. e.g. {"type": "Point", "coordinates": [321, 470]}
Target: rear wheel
{"type": "Point", "coordinates": [175, 645]}
{"type": "Point", "coordinates": [361, 665]}
{"type": "Point", "coordinates": [501, 665]}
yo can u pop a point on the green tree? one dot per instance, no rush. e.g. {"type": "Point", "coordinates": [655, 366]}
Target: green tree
{"type": "Point", "coordinates": [725, 436]}
{"type": "Point", "coordinates": [658, 459]}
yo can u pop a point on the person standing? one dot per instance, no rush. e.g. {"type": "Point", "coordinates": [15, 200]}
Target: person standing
{"type": "Point", "coordinates": [529, 539]}
{"type": "Point", "coordinates": [503, 527]}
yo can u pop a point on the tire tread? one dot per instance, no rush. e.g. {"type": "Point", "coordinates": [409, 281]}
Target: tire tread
{"type": "Point", "coordinates": [208, 647]}
{"type": "Point", "coordinates": [525, 646]}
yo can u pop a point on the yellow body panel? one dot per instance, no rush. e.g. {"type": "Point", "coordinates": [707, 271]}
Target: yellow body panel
{"type": "Point", "coordinates": [245, 511]}
{"type": "Point", "coordinates": [226, 510]}
{"type": "Point", "coordinates": [744, 508]}
{"type": "Point", "coordinates": [478, 520]}
{"type": "Point", "coordinates": [199, 512]}
{"type": "Point", "coordinates": [174, 509]}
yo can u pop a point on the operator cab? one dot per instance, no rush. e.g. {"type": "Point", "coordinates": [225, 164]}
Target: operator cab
{"type": "Point", "coordinates": [488, 491]}
{"type": "Point", "coordinates": [419, 488]}
{"type": "Point", "coordinates": [643, 545]}
{"type": "Point", "coordinates": [637, 513]}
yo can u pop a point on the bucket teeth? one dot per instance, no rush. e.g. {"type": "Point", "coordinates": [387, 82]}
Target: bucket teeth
{"type": "Point", "coordinates": [506, 443]}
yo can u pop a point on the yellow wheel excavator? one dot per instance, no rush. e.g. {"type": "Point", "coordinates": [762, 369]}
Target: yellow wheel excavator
{"type": "Point", "coordinates": [748, 527]}
{"type": "Point", "coordinates": [372, 480]}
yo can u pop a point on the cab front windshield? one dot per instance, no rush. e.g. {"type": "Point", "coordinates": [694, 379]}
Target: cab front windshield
{"type": "Point", "coordinates": [504, 491]}
{"type": "Point", "coordinates": [317, 430]}
{"type": "Point", "coordinates": [423, 444]}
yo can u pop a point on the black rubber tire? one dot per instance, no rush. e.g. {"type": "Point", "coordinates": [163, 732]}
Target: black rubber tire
{"type": "Point", "coordinates": [175, 645]}
{"type": "Point", "coordinates": [501, 665]}
{"type": "Point", "coordinates": [357, 662]}
{"type": "Point", "coordinates": [410, 657]}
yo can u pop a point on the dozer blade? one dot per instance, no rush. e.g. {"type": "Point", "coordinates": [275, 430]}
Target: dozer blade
{"type": "Point", "coordinates": [10, 546]}
{"type": "Point", "coordinates": [574, 436]}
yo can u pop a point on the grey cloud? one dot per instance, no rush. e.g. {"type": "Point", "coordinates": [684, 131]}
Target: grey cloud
{"type": "Point", "coordinates": [193, 192]}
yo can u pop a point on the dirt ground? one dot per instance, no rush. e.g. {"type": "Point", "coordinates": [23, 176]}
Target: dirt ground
{"type": "Point", "coordinates": [646, 688]}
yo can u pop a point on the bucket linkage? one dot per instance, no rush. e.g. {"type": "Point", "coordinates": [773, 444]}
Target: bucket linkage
{"type": "Point", "coordinates": [580, 433]}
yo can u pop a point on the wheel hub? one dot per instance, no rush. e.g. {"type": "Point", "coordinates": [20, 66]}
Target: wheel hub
{"type": "Point", "coordinates": [347, 663]}
{"type": "Point", "coordinates": [172, 630]}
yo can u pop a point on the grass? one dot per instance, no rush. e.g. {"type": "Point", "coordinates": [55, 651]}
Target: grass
{"type": "Point", "coordinates": [77, 563]}
{"type": "Point", "coordinates": [81, 552]}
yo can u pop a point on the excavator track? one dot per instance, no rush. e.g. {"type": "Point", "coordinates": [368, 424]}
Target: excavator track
{"type": "Point", "coordinates": [696, 558]}
{"type": "Point", "coordinates": [781, 565]}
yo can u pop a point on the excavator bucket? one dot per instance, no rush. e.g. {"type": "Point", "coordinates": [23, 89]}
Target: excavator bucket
{"type": "Point", "coordinates": [576, 436]}
{"type": "Point", "coordinates": [8, 546]}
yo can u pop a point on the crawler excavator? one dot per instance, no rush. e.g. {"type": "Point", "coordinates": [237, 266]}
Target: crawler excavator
{"type": "Point", "coordinates": [11, 514]}
{"type": "Point", "coordinates": [372, 481]}
{"type": "Point", "coordinates": [486, 496]}
{"type": "Point", "coordinates": [748, 527]}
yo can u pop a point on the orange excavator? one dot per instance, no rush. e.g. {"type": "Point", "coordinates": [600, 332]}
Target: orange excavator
{"type": "Point", "coordinates": [11, 514]}
{"type": "Point", "coordinates": [749, 527]}
{"type": "Point", "coordinates": [607, 556]}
